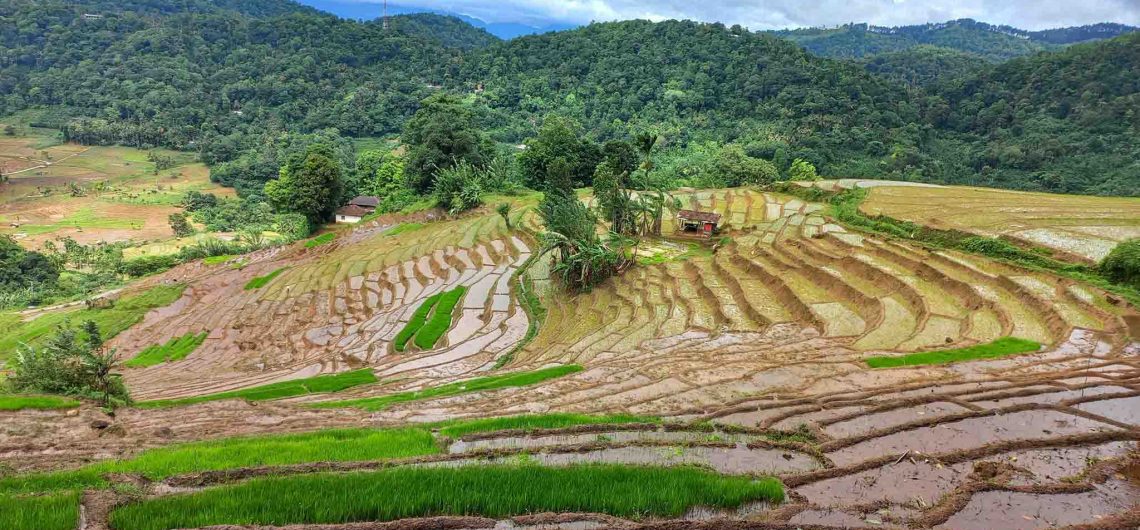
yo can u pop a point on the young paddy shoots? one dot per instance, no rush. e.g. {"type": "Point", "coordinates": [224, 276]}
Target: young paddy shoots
{"type": "Point", "coordinates": [462, 387]}
{"type": "Point", "coordinates": [1002, 347]}
{"type": "Point", "coordinates": [321, 384]}
{"type": "Point", "coordinates": [491, 491]}
{"type": "Point", "coordinates": [175, 349]}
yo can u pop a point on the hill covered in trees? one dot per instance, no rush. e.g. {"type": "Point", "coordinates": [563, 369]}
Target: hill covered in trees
{"type": "Point", "coordinates": [993, 43]}
{"type": "Point", "coordinates": [243, 83]}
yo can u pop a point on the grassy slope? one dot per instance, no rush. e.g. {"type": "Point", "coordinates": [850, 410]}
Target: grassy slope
{"type": "Point", "coordinates": [127, 312]}
{"type": "Point", "coordinates": [492, 491]}
{"type": "Point", "coordinates": [175, 349]}
{"type": "Point", "coordinates": [314, 385]}
{"type": "Point", "coordinates": [999, 348]}
{"type": "Point", "coordinates": [461, 387]}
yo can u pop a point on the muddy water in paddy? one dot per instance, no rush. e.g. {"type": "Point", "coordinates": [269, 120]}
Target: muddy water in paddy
{"type": "Point", "coordinates": [1126, 410]}
{"type": "Point", "coordinates": [529, 442]}
{"type": "Point", "coordinates": [970, 433]}
{"type": "Point", "coordinates": [1028, 511]}
{"type": "Point", "coordinates": [890, 418]}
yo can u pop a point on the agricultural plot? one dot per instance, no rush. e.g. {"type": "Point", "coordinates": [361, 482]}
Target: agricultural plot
{"type": "Point", "coordinates": [309, 310]}
{"type": "Point", "coordinates": [882, 384]}
{"type": "Point", "coordinates": [1084, 227]}
{"type": "Point", "coordinates": [91, 193]}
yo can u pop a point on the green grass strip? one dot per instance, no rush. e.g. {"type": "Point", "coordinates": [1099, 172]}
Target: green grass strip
{"type": "Point", "coordinates": [48, 512]}
{"type": "Point", "coordinates": [415, 323]}
{"type": "Point", "coordinates": [262, 281]}
{"type": "Point", "coordinates": [494, 382]}
{"type": "Point", "coordinates": [998, 348]}
{"type": "Point", "coordinates": [440, 321]}
{"type": "Point", "coordinates": [175, 349]}
{"type": "Point", "coordinates": [458, 428]}
{"type": "Point", "coordinates": [332, 445]}
{"type": "Point", "coordinates": [491, 491]}
{"type": "Point", "coordinates": [321, 384]}
{"type": "Point", "coordinates": [322, 239]}
{"type": "Point", "coordinates": [217, 260]}
{"type": "Point", "coordinates": [16, 402]}
{"type": "Point", "coordinates": [403, 228]}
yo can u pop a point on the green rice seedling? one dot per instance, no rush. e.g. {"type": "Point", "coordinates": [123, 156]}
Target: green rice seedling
{"type": "Point", "coordinates": [415, 323]}
{"type": "Point", "coordinates": [440, 321]}
{"type": "Point", "coordinates": [313, 385]}
{"type": "Point", "coordinates": [48, 512]}
{"type": "Point", "coordinates": [452, 389]}
{"type": "Point", "coordinates": [262, 281]}
{"type": "Point", "coordinates": [403, 228]}
{"type": "Point", "coordinates": [1002, 347]}
{"type": "Point", "coordinates": [458, 428]}
{"type": "Point", "coordinates": [18, 402]}
{"type": "Point", "coordinates": [491, 491]}
{"type": "Point", "coordinates": [175, 349]}
{"type": "Point", "coordinates": [322, 239]}
{"type": "Point", "coordinates": [332, 445]}
{"type": "Point", "coordinates": [217, 260]}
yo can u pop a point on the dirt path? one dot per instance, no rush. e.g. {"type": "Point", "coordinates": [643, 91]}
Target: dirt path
{"type": "Point", "coordinates": [46, 163]}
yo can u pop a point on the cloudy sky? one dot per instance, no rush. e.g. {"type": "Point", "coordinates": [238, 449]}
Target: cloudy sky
{"type": "Point", "coordinates": [772, 14]}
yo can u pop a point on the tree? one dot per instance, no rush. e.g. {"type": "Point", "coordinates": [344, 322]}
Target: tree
{"type": "Point", "coordinates": [736, 168]}
{"type": "Point", "coordinates": [802, 170]}
{"type": "Point", "coordinates": [459, 188]}
{"type": "Point", "coordinates": [69, 365]}
{"type": "Point", "coordinates": [504, 211]}
{"type": "Point", "coordinates": [440, 135]}
{"type": "Point", "coordinates": [559, 138]}
{"type": "Point", "coordinates": [180, 226]}
{"type": "Point", "coordinates": [1122, 265]}
{"type": "Point", "coordinates": [21, 269]}
{"type": "Point", "coordinates": [309, 185]}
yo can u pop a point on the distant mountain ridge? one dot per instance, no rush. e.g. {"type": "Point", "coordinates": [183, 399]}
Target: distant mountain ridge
{"type": "Point", "coordinates": [373, 10]}
{"type": "Point", "coordinates": [994, 43]}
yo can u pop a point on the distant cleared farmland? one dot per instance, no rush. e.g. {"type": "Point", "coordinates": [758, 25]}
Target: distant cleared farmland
{"type": "Point", "coordinates": [1084, 226]}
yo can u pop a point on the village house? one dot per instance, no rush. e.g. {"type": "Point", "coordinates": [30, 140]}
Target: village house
{"type": "Point", "coordinates": [691, 222]}
{"type": "Point", "coordinates": [357, 209]}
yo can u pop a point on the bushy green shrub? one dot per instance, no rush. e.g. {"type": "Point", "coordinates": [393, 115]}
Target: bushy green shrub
{"type": "Point", "coordinates": [1122, 265]}
{"type": "Point", "coordinates": [67, 364]}
{"type": "Point", "coordinates": [146, 265]}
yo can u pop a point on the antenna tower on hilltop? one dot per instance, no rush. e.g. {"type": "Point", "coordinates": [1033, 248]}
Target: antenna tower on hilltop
{"type": "Point", "coordinates": [385, 14]}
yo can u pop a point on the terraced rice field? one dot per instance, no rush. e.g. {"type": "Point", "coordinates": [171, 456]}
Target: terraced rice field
{"type": "Point", "coordinates": [37, 206]}
{"type": "Point", "coordinates": [750, 360]}
{"type": "Point", "coordinates": [1084, 227]}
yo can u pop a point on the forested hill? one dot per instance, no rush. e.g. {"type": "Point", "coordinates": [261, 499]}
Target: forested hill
{"type": "Point", "coordinates": [1066, 122]}
{"type": "Point", "coordinates": [223, 83]}
{"type": "Point", "coordinates": [993, 43]}
{"type": "Point", "coordinates": [151, 78]}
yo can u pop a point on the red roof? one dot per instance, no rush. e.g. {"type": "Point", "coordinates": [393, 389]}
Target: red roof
{"type": "Point", "coordinates": [353, 210]}
{"type": "Point", "coordinates": [704, 217]}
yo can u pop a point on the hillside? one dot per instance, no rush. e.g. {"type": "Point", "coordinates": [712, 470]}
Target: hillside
{"type": "Point", "coordinates": [993, 43]}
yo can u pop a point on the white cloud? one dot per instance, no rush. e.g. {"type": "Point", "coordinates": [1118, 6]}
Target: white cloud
{"type": "Point", "coordinates": [774, 14]}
